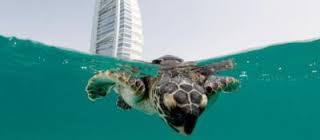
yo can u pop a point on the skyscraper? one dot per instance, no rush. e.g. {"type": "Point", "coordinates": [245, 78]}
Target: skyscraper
{"type": "Point", "coordinates": [117, 29]}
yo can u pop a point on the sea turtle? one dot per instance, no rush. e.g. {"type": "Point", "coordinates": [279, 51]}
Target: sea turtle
{"type": "Point", "coordinates": [179, 94]}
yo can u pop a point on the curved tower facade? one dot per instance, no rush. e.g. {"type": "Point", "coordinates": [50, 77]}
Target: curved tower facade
{"type": "Point", "coordinates": [117, 29]}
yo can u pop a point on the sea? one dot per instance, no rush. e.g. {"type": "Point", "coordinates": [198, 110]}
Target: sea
{"type": "Point", "coordinates": [42, 96]}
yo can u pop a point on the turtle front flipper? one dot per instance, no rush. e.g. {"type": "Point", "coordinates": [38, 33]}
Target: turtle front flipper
{"type": "Point", "coordinates": [127, 82]}
{"type": "Point", "coordinates": [122, 104]}
{"type": "Point", "coordinates": [215, 84]}
{"type": "Point", "coordinates": [102, 83]}
{"type": "Point", "coordinates": [99, 86]}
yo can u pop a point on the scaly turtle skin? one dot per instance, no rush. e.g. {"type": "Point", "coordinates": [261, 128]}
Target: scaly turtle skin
{"type": "Point", "coordinates": [179, 94]}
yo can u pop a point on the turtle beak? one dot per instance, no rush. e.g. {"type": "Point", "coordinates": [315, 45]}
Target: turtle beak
{"type": "Point", "coordinates": [183, 120]}
{"type": "Point", "coordinates": [188, 125]}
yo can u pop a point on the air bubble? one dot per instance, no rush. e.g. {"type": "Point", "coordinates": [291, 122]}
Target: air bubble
{"type": "Point", "coordinates": [41, 59]}
{"type": "Point", "coordinates": [84, 67]}
{"type": "Point", "coordinates": [243, 74]}
{"type": "Point", "coordinates": [265, 75]}
{"type": "Point", "coordinates": [312, 64]}
{"type": "Point", "coordinates": [65, 61]}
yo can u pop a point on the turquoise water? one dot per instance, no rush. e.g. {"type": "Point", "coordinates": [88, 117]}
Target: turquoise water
{"type": "Point", "coordinates": [42, 97]}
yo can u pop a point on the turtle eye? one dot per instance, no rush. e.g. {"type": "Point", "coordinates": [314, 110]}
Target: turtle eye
{"type": "Point", "coordinates": [157, 61]}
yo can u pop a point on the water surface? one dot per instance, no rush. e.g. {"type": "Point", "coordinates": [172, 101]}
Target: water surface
{"type": "Point", "coordinates": [42, 96]}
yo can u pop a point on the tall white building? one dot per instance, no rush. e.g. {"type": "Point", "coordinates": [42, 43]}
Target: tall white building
{"type": "Point", "coordinates": [117, 29]}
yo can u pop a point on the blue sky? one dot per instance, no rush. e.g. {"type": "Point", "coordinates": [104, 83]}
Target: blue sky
{"type": "Point", "coordinates": [191, 29]}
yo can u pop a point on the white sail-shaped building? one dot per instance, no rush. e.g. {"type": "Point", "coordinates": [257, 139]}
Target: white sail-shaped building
{"type": "Point", "coordinates": [117, 29]}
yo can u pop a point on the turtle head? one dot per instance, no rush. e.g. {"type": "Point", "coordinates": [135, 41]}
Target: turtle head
{"type": "Point", "coordinates": [181, 102]}
{"type": "Point", "coordinates": [168, 60]}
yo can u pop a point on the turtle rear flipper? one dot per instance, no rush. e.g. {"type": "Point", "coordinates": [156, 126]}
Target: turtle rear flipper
{"type": "Point", "coordinates": [99, 86]}
{"type": "Point", "coordinates": [210, 69]}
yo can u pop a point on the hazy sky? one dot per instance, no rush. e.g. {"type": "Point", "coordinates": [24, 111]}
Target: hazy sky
{"type": "Point", "coordinates": [191, 29]}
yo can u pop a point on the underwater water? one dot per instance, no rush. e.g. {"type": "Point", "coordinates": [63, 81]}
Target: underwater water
{"type": "Point", "coordinates": [42, 97]}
